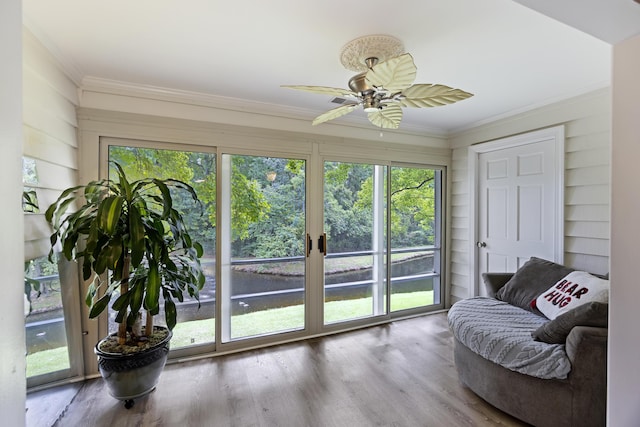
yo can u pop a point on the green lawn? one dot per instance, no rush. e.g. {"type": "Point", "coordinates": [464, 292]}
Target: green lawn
{"type": "Point", "coordinates": [47, 361]}
{"type": "Point", "coordinates": [246, 325]}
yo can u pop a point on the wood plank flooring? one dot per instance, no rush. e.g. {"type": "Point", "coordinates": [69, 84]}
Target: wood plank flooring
{"type": "Point", "coordinates": [399, 374]}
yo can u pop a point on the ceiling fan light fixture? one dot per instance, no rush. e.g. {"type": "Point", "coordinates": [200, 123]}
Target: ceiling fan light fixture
{"type": "Point", "coordinates": [384, 83]}
{"type": "Point", "coordinates": [371, 103]}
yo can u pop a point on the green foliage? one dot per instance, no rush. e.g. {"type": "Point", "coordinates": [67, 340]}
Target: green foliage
{"type": "Point", "coordinates": [248, 203]}
{"type": "Point", "coordinates": [30, 205]}
{"type": "Point", "coordinates": [132, 230]}
{"type": "Point", "coordinates": [348, 222]}
{"type": "Point", "coordinates": [30, 284]}
{"type": "Point", "coordinates": [281, 232]}
{"type": "Point", "coordinates": [30, 201]}
{"type": "Point", "coordinates": [268, 216]}
{"type": "Point", "coordinates": [412, 205]}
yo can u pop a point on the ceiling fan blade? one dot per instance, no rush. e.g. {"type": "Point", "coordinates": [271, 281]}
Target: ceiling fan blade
{"type": "Point", "coordinates": [429, 95]}
{"type": "Point", "coordinates": [323, 90]}
{"type": "Point", "coordinates": [334, 114]}
{"type": "Point", "coordinates": [387, 117]}
{"type": "Point", "coordinates": [394, 75]}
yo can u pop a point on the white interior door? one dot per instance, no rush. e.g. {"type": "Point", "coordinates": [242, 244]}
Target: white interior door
{"type": "Point", "coordinates": [519, 202]}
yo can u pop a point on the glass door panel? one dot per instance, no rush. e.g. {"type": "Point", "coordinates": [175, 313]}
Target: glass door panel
{"type": "Point", "coordinates": [415, 237]}
{"type": "Point", "coordinates": [196, 325]}
{"type": "Point", "coordinates": [49, 300]}
{"type": "Point", "coordinates": [355, 229]}
{"type": "Point", "coordinates": [263, 251]}
{"type": "Point", "coordinates": [46, 334]}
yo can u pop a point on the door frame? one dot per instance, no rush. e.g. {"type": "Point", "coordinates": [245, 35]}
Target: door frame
{"type": "Point", "coordinates": [554, 133]}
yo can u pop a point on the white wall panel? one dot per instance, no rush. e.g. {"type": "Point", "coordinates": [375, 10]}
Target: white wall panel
{"type": "Point", "coordinates": [587, 213]}
{"type": "Point", "coordinates": [40, 145]}
{"type": "Point", "coordinates": [585, 158]}
{"type": "Point", "coordinates": [593, 229]}
{"type": "Point", "coordinates": [49, 135]}
{"type": "Point", "coordinates": [588, 195]}
{"type": "Point", "coordinates": [587, 174]}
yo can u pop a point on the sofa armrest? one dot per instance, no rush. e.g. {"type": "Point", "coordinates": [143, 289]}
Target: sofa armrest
{"type": "Point", "coordinates": [494, 281]}
{"type": "Point", "coordinates": [587, 350]}
{"type": "Point", "coordinates": [587, 346]}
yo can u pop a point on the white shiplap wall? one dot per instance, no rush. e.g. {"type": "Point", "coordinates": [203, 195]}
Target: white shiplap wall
{"type": "Point", "coordinates": [50, 135]}
{"type": "Point", "coordinates": [587, 121]}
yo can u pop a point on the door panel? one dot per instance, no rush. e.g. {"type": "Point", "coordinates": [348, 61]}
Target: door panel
{"type": "Point", "coordinates": [355, 229]}
{"type": "Point", "coordinates": [517, 203]}
{"type": "Point", "coordinates": [377, 253]}
{"type": "Point", "coordinates": [196, 321]}
{"type": "Point", "coordinates": [263, 256]}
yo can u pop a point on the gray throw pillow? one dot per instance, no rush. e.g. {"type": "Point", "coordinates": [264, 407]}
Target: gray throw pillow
{"type": "Point", "coordinates": [532, 279]}
{"type": "Point", "coordinates": [556, 330]}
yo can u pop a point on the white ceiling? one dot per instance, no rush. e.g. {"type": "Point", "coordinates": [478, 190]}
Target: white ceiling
{"type": "Point", "coordinates": [511, 57]}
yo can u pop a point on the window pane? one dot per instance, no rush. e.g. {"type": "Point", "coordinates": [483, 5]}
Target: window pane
{"type": "Point", "coordinates": [414, 237]}
{"type": "Point", "coordinates": [45, 325]}
{"type": "Point", "coordinates": [263, 262]}
{"type": "Point", "coordinates": [196, 325]}
{"type": "Point", "coordinates": [355, 226]}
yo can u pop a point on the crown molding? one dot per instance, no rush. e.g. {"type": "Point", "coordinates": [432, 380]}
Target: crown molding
{"type": "Point", "coordinates": [114, 87]}
{"type": "Point", "coordinates": [32, 33]}
{"type": "Point", "coordinates": [565, 98]}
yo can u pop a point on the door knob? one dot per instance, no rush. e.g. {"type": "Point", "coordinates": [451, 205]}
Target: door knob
{"type": "Point", "coordinates": [481, 244]}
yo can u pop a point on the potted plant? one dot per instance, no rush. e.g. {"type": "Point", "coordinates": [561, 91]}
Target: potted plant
{"type": "Point", "coordinates": [130, 238]}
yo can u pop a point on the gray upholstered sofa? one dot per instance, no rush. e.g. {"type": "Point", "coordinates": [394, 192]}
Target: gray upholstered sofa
{"type": "Point", "coordinates": [579, 399]}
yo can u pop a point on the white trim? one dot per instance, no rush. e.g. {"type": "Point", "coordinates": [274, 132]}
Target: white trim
{"type": "Point", "coordinates": [555, 133]}
{"type": "Point", "coordinates": [96, 91]}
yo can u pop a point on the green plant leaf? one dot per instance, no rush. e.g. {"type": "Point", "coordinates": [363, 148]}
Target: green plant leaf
{"type": "Point", "coordinates": [166, 197]}
{"type": "Point", "coordinates": [136, 236]}
{"type": "Point", "coordinates": [109, 214]}
{"type": "Point", "coordinates": [199, 249]}
{"type": "Point", "coordinates": [124, 183]}
{"type": "Point", "coordinates": [170, 312]}
{"type": "Point", "coordinates": [136, 297]}
{"type": "Point", "coordinates": [121, 313]}
{"type": "Point", "coordinates": [99, 306]}
{"type": "Point", "coordinates": [109, 256]}
{"type": "Point", "coordinates": [86, 268]}
{"type": "Point", "coordinates": [152, 296]}
{"type": "Point", "coordinates": [121, 301]}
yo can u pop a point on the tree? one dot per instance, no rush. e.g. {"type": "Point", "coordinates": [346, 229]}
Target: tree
{"type": "Point", "coordinates": [412, 205]}
{"type": "Point", "coordinates": [348, 224]}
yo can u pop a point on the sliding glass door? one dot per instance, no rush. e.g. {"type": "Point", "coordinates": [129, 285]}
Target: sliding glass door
{"type": "Point", "coordinates": [51, 310]}
{"type": "Point", "coordinates": [366, 248]}
{"type": "Point", "coordinates": [370, 226]}
{"type": "Point", "coordinates": [196, 322]}
{"type": "Point", "coordinates": [415, 237]}
{"type": "Point", "coordinates": [354, 241]}
{"type": "Point", "coordinates": [263, 203]}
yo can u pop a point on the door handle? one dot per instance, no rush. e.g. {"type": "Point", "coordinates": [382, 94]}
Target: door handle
{"type": "Point", "coordinates": [481, 244]}
{"type": "Point", "coordinates": [322, 244]}
{"type": "Point", "coordinates": [309, 245]}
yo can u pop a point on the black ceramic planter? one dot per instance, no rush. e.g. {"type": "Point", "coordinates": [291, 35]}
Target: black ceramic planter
{"type": "Point", "coordinates": [130, 376]}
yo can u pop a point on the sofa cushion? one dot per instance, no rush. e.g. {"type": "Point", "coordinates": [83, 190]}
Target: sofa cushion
{"type": "Point", "coordinates": [573, 290]}
{"type": "Point", "coordinates": [533, 278]}
{"type": "Point", "coordinates": [556, 331]}
{"type": "Point", "coordinates": [501, 332]}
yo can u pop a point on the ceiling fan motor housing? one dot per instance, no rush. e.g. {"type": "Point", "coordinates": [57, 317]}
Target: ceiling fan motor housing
{"type": "Point", "coordinates": [358, 84]}
{"type": "Point", "coordinates": [370, 97]}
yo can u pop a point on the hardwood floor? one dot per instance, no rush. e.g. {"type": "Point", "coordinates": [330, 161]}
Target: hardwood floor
{"type": "Point", "coordinates": [400, 374]}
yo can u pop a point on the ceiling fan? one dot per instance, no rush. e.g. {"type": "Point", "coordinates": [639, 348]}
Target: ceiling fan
{"type": "Point", "coordinates": [384, 84]}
